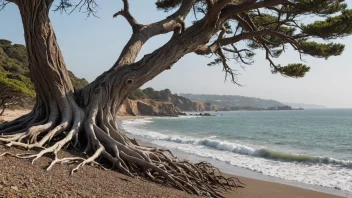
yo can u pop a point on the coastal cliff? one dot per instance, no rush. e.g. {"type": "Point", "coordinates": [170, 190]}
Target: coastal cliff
{"type": "Point", "coordinates": [149, 102]}
{"type": "Point", "coordinates": [185, 104]}
{"type": "Point", "coordinates": [148, 107]}
{"type": "Point", "coordinates": [161, 103]}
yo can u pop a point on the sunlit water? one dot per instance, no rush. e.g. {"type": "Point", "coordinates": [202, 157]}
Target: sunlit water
{"type": "Point", "coordinates": [310, 146]}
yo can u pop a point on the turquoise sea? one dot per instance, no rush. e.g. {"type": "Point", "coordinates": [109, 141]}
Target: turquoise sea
{"type": "Point", "coordinates": [313, 147]}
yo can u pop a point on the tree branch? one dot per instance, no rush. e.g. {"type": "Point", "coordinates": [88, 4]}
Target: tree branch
{"type": "Point", "coordinates": [204, 49]}
{"type": "Point", "coordinates": [228, 71]}
{"type": "Point", "coordinates": [174, 22]}
{"type": "Point", "coordinates": [64, 5]}
{"type": "Point", "coordinates": [3, 3]}
{"type": "Point", "coordinates": [216, 8]}
{"type": "Point", "coordinates": [239, 55]}
{"type": "Point", "coordinates": [231, 10]}
{"type": "Point", "coordinates": [120, 80]}
{"type": "Point", "coordinates": [125, 12]}
{"type": "Point", "coordinates": [210, 4]}
{"type": "Point", "coordinates": [247, 35]}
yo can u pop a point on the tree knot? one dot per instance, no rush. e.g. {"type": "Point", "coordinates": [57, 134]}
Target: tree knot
{"type": "Point", "coordinates": [129, 82]}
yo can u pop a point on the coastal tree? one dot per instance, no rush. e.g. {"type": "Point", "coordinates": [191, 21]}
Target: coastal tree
{"type": "Point", "coordinates": [15, 86]}
{"type": "Point", "coordinates": [227, 30]}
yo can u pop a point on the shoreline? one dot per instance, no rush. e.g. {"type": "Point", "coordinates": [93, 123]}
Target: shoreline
{"type": "Point", "coordinates": [260, 188]}
{"type": "Point", "coordinates": [257, 185]}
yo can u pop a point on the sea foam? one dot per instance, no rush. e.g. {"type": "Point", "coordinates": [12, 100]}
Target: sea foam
{"type": "Point", "coordinates": [323, 171]}
{"type": "Point", "coordinates": [238, 148]}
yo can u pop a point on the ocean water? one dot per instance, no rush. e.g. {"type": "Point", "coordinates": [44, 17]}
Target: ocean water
{"type": "Point", "coordinates": [310, 146]}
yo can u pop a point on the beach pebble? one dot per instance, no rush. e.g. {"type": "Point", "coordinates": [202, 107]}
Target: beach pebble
{"type": "Point", "coordinates": [14, 188]}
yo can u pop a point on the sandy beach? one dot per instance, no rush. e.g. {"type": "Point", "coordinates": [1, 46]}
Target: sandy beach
{"type": "Point", "coordinates": [20, 178]}
{"type": "Point", "coordinates": [262, 189]}
{"type": "Point", "coordinates": [13, 114]}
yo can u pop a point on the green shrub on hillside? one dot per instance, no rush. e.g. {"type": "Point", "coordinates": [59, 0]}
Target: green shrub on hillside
{"type": "Point", "coordinates": [150, 93]}
{"type": "Point", "coordinates": [15, 84]}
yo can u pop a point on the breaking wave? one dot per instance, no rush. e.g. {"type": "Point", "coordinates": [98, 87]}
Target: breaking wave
{"type": "Point", "coordinates": [223, 145]}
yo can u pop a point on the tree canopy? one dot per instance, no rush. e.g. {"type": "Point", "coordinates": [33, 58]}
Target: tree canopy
{"type": "Point", "coordinates": [270, 25]}
{"type": "Point", "coordinates": [273, 26]}
{"type": "Point", "coordinates": [229, 31]}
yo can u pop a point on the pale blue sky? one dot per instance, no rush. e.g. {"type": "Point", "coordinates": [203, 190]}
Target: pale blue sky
{"type": "Point", "coordinates": [91, 46]}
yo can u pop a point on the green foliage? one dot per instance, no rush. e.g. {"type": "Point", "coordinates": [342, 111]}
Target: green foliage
{"type": "Point", "coordinates": [150, 93]}
{"type": "Point", "coordinates": [14, 65]}
{"type": "Point", "coordinates": [17, 86]}
{"type": "Point", "coordinates": [286, 21]}
{"type": "Point", "coordinates": [292, 70]}
{"type": "Point", "coordinates": [332, 27]}
{"type": "Point", "coordinates": [228, 27]}
{"type": "Point", "coordinates": [165, 94]}
{"type": "Point", "coordinates": [320, 50]}
{"type": "Point", "coordinates": [277, 53]}
{"type": "Point", "coordinates": [11, 65]}
{"type": "Point", "coordinates": [14, 71]}
{"type": "Point", "coordinates": [13, 57]}
{"type": "Point", "coordinates": [137, 94]}
{"type": "Point", "coordinates": [320, 7]}
{"type": "Point", "coordinates": [270, 22]}
{"type": "Point", "coordinates": [231, 101]}
{"type": "Point", "coordinates": [215, 62]}
{"type": "Point", "coordinates": [167, 5]}
{"type": "Point", "coordinates": [5, 43]}
{"type": "Point", "coordinates": [77, 83]}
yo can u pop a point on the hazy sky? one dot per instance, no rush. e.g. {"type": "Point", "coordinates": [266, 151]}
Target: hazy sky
{"type": "Point", "coordinates": [91, 46]}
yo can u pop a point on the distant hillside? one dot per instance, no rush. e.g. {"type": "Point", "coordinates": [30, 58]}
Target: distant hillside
{"type": "Point", "coordinates": [14, 64]}
{"type": "Point", "coordinates": [16, 87]}
{"type": "Point", "coordinates": [233, 100]}
{"type": "Point", "coordinates": [305, 106]}
{"type": "Point", "coordinates": [151, 102]}
{"type": "Point", "coordinates": [182, 103]}
{"type": "Point", "coordinates": [148, 107]}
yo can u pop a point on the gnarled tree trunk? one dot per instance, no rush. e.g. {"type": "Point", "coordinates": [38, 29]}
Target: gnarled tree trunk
{"type": "Point", "coordinates": [87, 118]}
{"type": "Point", "coordinates": [47, 70]}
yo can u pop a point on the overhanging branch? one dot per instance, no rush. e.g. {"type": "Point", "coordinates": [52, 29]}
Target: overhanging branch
{"type": "Point", "coordinates": [173, 23]}
{"type": "Point", "coordinates": [125, 12]}
{"type": "Point", "coordinates": [3, 3]}
{"type": "Point", "coordinates": [231, 10]}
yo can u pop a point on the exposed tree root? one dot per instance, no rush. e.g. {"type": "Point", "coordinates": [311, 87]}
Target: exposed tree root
{"type": "Point", "coordinates": [98, 137]}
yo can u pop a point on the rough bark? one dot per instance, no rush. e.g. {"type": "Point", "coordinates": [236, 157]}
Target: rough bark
{"type": "Point", "coordinates": [47, 71]}
{"type": "Point", "coordinates": [86, 119]}
{"type": "Point", "coordinates": [3, 109]}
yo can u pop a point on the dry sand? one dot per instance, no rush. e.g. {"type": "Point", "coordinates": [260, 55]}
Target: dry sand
{"type": "Point", "coordinates": [18, 178]}
{"type": "Point", "coordinates": [12, 114]}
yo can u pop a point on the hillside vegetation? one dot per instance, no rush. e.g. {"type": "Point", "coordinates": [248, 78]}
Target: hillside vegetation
{"type": "Point", "coordinates": [166, 96]}
{"type": "Point", "coordinates": [231, 101]}
{"type": "Point", "coordinates": [16, 87]}
{"type": "Point", "coordinates": [202, 102]}
{"type": "Point", "coordinates": [150, 93]}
